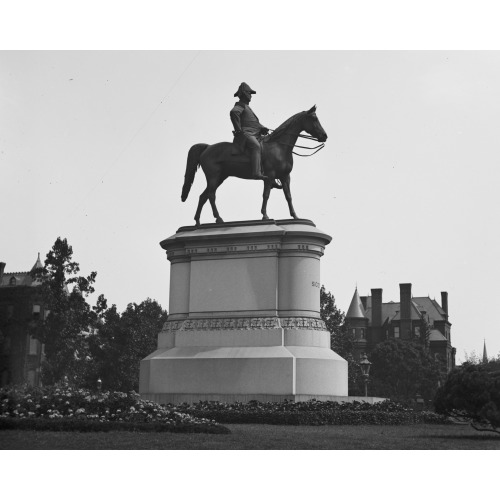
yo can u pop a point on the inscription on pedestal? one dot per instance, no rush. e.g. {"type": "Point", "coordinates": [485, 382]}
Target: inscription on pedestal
{"type": "Point", "coordinates": [297, 323]}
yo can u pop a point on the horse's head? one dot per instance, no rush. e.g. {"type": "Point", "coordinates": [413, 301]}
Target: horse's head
{"type": "Point", "coordinates": [312, 125]}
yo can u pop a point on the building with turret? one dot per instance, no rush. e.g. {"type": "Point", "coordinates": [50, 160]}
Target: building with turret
{"type": "Point", "coordinates": [20, 306]}
{"type": "Point", "coordinates": [371, 321]}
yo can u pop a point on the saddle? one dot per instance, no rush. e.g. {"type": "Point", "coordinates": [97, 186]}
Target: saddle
{"type": "Point", "coordinates": [239, 145]}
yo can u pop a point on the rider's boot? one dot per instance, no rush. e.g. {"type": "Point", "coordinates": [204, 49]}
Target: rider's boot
{"type": "Point", "coordinates": [256, 166]}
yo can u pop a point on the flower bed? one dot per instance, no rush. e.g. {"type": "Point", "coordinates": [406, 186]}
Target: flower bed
{"type": "Point", "coordinates": [66, 408]}
{"type": "Point", "coordinates": [310, 413]}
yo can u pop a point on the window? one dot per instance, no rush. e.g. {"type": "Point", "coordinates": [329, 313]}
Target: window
{"type": "Point", "coordinates": [36, 311]}
{"type": "Point", "coordinates": [354, 331]}
{"type": "Point", "coordinates": [417, 331]}
{"type": "Point", "coordinates": [33, 345]}
{"type": "Point", "coordinates": [396, 332]}
{"type": "Point", "coordinates": [362, 333]}
{"type": "Point", "coordinates": [12, 281]}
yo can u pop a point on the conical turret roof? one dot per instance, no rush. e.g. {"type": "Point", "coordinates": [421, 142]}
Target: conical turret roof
{"type": "Point", "coordinates": [38, 263]}
{"type": "Point", "coordinates": [356, 309]}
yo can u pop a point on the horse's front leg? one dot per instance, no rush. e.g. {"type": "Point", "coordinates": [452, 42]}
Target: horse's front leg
{"type": "Point", "coordinates": [265, 197]}
{"type": "Point", "coordinates": [288, 195]}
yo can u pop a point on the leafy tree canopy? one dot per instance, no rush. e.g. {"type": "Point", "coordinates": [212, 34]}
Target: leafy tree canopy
{"type": "Point", "coordinates": [64, 295]}
{"type": "Point", "coordinates": [341, 340]}
{"type": "Point", "coordinates": [401, 369]}
{"type": "Point", "coordinates": [334, 318]}
{"type": "Point", "coordinates": [472, 393]}
{"type": "Point", "coordinates": [123, 340]}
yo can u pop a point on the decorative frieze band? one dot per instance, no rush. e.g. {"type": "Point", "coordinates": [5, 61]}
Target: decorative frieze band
{"type": "Point", "coordinates": [244, 324]}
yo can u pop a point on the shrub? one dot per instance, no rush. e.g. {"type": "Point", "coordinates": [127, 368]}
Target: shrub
{"type": "Point", "coordinates": [311, 412]}
{"type": "Point", "coordinates": [472, 393]}
{"type": "Point", "coordinates": [77, 407]}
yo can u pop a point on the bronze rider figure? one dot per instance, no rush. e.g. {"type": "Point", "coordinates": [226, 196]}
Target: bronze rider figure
{"type": "Point", "coordinates": [248, 131]}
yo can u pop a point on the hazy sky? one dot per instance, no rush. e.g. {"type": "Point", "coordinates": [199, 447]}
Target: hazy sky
{"type": "Point", "coordinates": [93, 148]}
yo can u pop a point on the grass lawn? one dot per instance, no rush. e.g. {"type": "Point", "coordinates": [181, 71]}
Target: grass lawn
{"type": "Point", "coordinates": [265, 437]}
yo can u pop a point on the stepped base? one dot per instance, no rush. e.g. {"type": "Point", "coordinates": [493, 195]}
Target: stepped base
{"type": "Point", "coordinates": [244, 317]}
{"type": "Point", "coordinates": [242, 373]}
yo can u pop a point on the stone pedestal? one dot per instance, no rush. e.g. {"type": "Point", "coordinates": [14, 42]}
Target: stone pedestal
{"type": "Point", "coordinates": [244, 319]}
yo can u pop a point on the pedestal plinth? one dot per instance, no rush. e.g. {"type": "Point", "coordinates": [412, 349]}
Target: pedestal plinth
{"type": "Point", "coordinates": [244, 319]}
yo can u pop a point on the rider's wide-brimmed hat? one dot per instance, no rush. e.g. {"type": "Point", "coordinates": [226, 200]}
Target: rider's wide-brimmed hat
{"type": "Point", "coordinates": [244, 86]}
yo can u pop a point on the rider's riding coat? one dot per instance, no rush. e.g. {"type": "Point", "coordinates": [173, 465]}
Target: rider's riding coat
{"type": "Point", "coordinates": [245, 120]}
{"type": "Point", "coordinates": [246, 123]}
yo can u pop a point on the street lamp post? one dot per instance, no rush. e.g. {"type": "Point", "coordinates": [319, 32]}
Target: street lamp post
{"type": "Point", "coordinates": [365, 370]}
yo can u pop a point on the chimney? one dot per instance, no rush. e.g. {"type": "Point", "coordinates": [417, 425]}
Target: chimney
{"type": "Point", "coordinates": [405, 309]}
{"type": "Point", "coordinates": [2, 267]}
{"type": "Point", "coordinates": [363, 301]}
{"type": "Point", "coordinates": [376, 315]}
{"type": "Point", "coordinates": [444, 303]}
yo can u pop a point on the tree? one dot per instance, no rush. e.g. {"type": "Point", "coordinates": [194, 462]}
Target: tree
{"type": "Point", "coordinates": [401, 369]}
{"type": "Point", "coordinates": [62, 330]}
{"type": "Point", "coordinates": [472, 393]}
{"type": "Point", "coordinates": [473, 358]}
{"type": "Point", "coordinates": [341, 340]}
{"type": "Point", "coordinates": [123, 340]}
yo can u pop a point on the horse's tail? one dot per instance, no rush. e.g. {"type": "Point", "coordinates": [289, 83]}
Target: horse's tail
{"type": "Point", "coordinates": [193, 162]}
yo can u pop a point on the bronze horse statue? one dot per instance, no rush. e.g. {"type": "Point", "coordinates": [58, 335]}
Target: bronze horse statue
{"type": "Point", "coordinates": [218, 161]}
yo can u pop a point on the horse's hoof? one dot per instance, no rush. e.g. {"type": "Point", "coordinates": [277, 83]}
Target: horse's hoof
{"type": "Point", "coordinates": [197, 224]}
{"type": "Point", "coordinates": [219, 221]}
{"type": "Point", "coordinates": [265, 217]}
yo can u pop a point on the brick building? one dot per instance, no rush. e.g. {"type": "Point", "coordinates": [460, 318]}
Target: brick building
{"type": "Point", "coordinates": [372, 321]}
{"type": "Point", "coordinates": [20, 305]}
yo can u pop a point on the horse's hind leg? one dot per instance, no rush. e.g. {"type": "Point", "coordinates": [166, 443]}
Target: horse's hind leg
{"type": "Point", "coordinates": [203, 200]}
{"type": "Point", "coordinates": [212, 188]}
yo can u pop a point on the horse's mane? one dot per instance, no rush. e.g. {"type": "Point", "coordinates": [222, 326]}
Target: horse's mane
{"type": "Point", "coordinates": [284, 127]}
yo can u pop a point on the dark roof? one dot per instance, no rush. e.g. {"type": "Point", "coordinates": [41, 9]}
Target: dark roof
{"type": "Point", "coordinates": [431, 307]}
{"type": "Point", "coordinates": [23, 278]}
{"type": "Point", "coordinates": [391, 310]}
{"type": "Point", "coordinates": [436, 335]}
{"type": "Point", "coordinates": [414, 312]}
{"type": "Point", "coordinates": [356, 309]}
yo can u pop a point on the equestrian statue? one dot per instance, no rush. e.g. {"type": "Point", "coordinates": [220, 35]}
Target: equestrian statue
{"type": "Point", "coordinates": [254, 154]}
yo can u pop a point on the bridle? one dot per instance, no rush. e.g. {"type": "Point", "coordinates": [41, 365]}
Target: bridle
{"type": "Point", "coordinates": [303, 136]}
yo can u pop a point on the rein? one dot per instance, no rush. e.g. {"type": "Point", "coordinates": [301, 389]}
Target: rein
{"type": "Point", "coordinates": [309, 137]}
